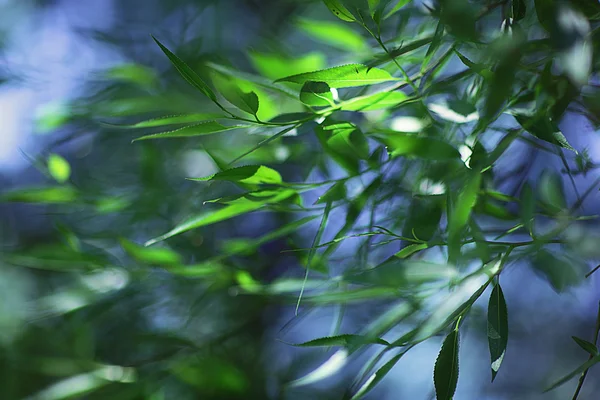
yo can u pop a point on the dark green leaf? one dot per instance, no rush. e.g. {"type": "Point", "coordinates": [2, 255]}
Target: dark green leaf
{"type": "Point", "coordinates": [585, 345]}
{"type": "Point", "coordinates": [316, 94]}
{"type": "Point", "coordinates": [245, 101]}
{"type": "Point", "coordinates": [423, 217]}
{"type": "Point", "coordinates": [204, 128]}
{"type": "Point", "coordinates": [406, 144]}
{"type": "Point", "coordinates": [497, 330]}
{"type": "Point", "coordinates": [187, 73]}
{"type": "Point", "coordinates": [445, 374]}
{"type": "Point", "coordinates": [250, 174]}
{"type": "Point", "coordinates": [561, 272]}
{"type": "Point", "coordinates": [343, 76]}
{"type": "Point", "coordinates": [543, 128]}
{"type": "Point", "coordinates": [335, 193]}
{"type": "Point", "coordinates": [518, 9]}
{"type": "Point", "coordinates": [551, 191]}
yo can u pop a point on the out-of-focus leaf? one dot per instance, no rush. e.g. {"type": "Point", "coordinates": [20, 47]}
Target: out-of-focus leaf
{"type": "Point", "coordinates": [211, 372]}
{"type": "Point", "coordinates": [59, 168]}
{"type": "Point", "coordinates": [376, 101]}
{"type": "Point", "coordinates": [335, 193]}
{"type": "Point", "coordinates": [55, 258]}
{"type": "Point", "coordinates": [250, 174]}
{"type": "Point", "coordinates": [42, 195]}
{"type": "Point", "coordinates": [518, 9]}
{"type": "Point", "coordinates": [52, 116]}
{"type": "Point", "coordinates": [134, 73]}
{"type": "Point", "coordinates": [330, 367]}
{"type": "Point", "coordinates": [545, 10]}
{"type": "Point", "coordinates": [204, 128]}
{"type": "Point", "coordinates": [187, 73]}
{"type": "Point", "coordinates": [238, 207]}
{"type": "Point", "coordinates": [497, 330]}
{"type": "Point", "coordinates": [333, 33]}
{"type": "Point", "coordinates": [527, 207]}
{"type": "Point", "coordinates": [276, 66]}
{"type": "Point", "coordinates": [406, 144]}
{"type": "Point", "coordinates": [339, 10]}
{"type": "Point", "coordinates": [349, 75]}
{"type": "Point", "coordinates": [571, 35]}
{"type": "Point", "coordinates": [403, 274]}
{"type": "Point", "coordinates": [316, 94]}
{"type": "Point", "coordinates": [374, 379]}
{"type": "Point", "coordinates": [551, 191]}
{"type": "Point", "coordinates": [423, 217]}
{"type": "Point", "coordinates": [586, 346]}
{"type": "Point", "coordinates": [200, 270]}
{"type": "Point", "coordinates": [341, 340]}
{"type": "Point", "coordinates": [445, 375]}
{"type": "Point", "coordinates": [152, 256]}
{"type": "Point", "coordinates": [578, 371]}
{"type": "Point", "coordinates": [461, 211]}
{"type": "Point", "coordinates": [345, 143]}
{"type": "Point", "coordinates": [561, 272]}
{"type": "Point", "coordinates": [245, 101]}
{"type": "Point", "coordinates": [351, 296]}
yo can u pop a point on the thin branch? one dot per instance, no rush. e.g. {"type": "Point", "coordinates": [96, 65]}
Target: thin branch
{"type": "Point", "coordinates": [584, 374]}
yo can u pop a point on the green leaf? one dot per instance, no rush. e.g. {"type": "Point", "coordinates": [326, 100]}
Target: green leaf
{"type": "Point", "coordinates": [397, 7]}
{"type": "Point", "coordinates": [423, 217]}
{"type": "Point", "coordinates": [43, 195]}
{"type": "Point", "coordinates": [578, 371]}
{"type": "Point", "coordinates": [407, 144]}
{"type": "Point", "coordinates": [245, 101]}
{"type": "Point", "coordinates": [551, 191]}
{"type": "Point", "coordinates": [173, 120]}
{"type": "Point", "coordinates": [341, 340]}
{"type": "Point", "coordinates": [561, 272]}
{"type": "Point", "coordinates": [345, 143]}
{"type": "Point", "coordinates": [376, 101]}
{"type": "Point", "coordinates": [152, 256]}
{"type": "Point", "coordinates": [461, 211]}
{"type": "Point", "coordinates": [335, 193]}
{"type": "Point", "coordinates": [59, 168]}
{"type": "Point", "coordinates": [134, 73]}
{"type": "Point", "coordinates": [352, 296]}
{"type": "Point", "coordinates": [411, 249]}
{"type": "Point", "coordinates": [275, 66]}
{"type": "Point", "coordinates": [445, 373]}
{"type": "Point", "coordinates": [339, 10]}
{"type": "Point", "coordinates": [237, 207]}
{"type": "Point", "coordinates": [497, 330]}
{"type": "Point", "coordinates": [249, 174]}
{"type": "Point", "coordinates": [398, 273]}
{"type": "Point", "coordinates": [333, 33]}
{"type": "Point", "coordinates": [343, 76]}
{"type": "Point", "coordinates": [374, 379]}
{"type": "Point", "coordinates": [316, 94]}
{"type": "Point", "coordinates": [545, 10]}
{"type": "Point", "coordinates": [187, 73]}
{"type": "Point", "coordinates": [543, 128]}
{"type": "Point", "coordinates": [333, 365]}
{"type": "Point", "coordinates": [586, 346]}
{"type": "Point", "coordinates": [204, 128]}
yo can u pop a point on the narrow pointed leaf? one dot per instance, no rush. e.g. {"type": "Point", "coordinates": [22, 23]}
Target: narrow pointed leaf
{"type": "Point", "coordinates": [186, 72]}
{"type": "Point", "coordinates": [461, 212]}
{"type": "Point", "coordinates": [405, 144]}
{"type": "Point", "coordinates": [374, 379]}
{"type": "Point", "coordinates": [376, 101]}
{"type": "Point", "coordinates": [173, 120]}
{"type": "Point", "coordinates": [445, 374]}
{"type": "Point", "coordinates": [341, 340]}
{"type": "Point", "coordinates": [250, 174]}
{"type": "Point", "coordinates": [335, 34]}
{"type": "Point", "coordinates": [586, 346]}
{"type": "Point", "coordinates": [205, 128]}
{"type": "Point", "coordinates": [339, 10]}
{"type": "Point", "coordinates": [578, 371]}
{"type": "Point", "coordinates": [349, 75]}
{"type": "Point", "coordinates": [330, 367]}
{"type": "Point", "coordinates": [154, 256]}
{"type": "Point", "coordinates": [497, 330]}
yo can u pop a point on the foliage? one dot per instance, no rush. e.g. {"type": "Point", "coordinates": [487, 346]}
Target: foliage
{"type": "Point", "coordinates": [403, 141]}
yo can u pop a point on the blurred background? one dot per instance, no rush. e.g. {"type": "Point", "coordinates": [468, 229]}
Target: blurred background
{"type": "Point", "coordinates": [86, 312]}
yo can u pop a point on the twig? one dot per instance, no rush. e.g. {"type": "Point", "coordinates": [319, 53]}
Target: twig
{"type": "Point", "coordinates": [584, 374]}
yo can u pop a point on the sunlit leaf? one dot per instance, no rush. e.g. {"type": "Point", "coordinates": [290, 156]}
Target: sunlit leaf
{"type": "Point", "coordinates": [376, 101]}
{"type": "Point", "coordinates": [241, 206]}
{"type": "Point", "coordinates": [49, 195]}
{"type": "Point", "coordinates": [275, 66]}
{"type": "Point", "coordinates": [461, 212]}
{"type": "Point", "coordinates": [187, 73]}
{"type": "Point", "coordinates": [333, 33]}
{"type": "Point", "coordinates": [397, 7]}
{"type": "Point", "coordinates": [174, 120]}
{"type": "Point", "coordinates": [204, 128]}
{"type": "Point", "coordinates": [152, 256]}
{"type": "Point", "coordinates": [250, 174]}
{"type": "Point", "coordinates": [59, 168]}
{"type": "Point", "coordinates": [445, 375]}
{"type": "Point", "coordinates": [245, 101]}
{"type": "Point", "coordinates": [134, 73]}
{"type": "Point", "coordinates": [405, 144]}
{"type": "Point", "coordinates": [339, 10]}
{"type": "Point", "coordinates": [497, 330]}
{"type": "Point", "coordinates": [349, 75]}
{"type": "Point", "coordinates": [316, 94]}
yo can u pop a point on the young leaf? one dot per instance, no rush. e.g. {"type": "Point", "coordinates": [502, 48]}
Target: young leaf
{"type": "Point", "coordinates": [406, 144]}
{"type": "Point", "coordinates": [333, 33]}
{"type": "Point", "coordinates": [349, 75]}
{"type": "Point", "coordinates": [187, 73]}
{"type": "Point", "coordinates": [578, 371]}
{"type": "Point", "coordinates": [461, 211]}
{"type": "Point", "coordinates": [245, 101]}
{"type": "Point", "coordinates": [339, 10]}
{"type": "Point", "coordinates": [275, 66]}
{"type": "Point", "coordinates": [250, 174]}
{"type": "Point", "coordinates": [237, 207]}
{"type": "Point", "coordinates": [497, 330]}
{"type": "Point", "coordinates": [204, 128]}
{"type": "Point", "coordinates": [43, 195]}
{"type": "Point", "coordinates": [59, 168]}
{"type": "Point", "coordinates": [316, 94]}
{"type": "Point", "coordinates": [445, 373]}
{"type": "Point", "coordinates": [341, 340]}
{"type": "Point", "coordinates": [586, 346]}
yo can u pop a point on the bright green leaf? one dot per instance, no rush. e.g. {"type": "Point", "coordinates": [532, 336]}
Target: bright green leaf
{"type": "Point", "coordinates": [49, 195]}
{"type": "Point", "coordinates": [333, 33]}
{"type": "Point", "coordinates": [174, 120]}
{"type": "Point", "coordinates": [406, 144]}
{"type": "Point", "coordinates": [249, 174]}
{"type": "Point", "coordinates": [276, 66]}
{"type": "Point", "coordinates": [204, 128]}
{"type": "Point", "coordinates": [233, 93]}
{"type": "Point", "coordinates": [153, 256]}
{"type": "Point", "coordinates": [349, 75]}
{"type": "Point", "coordinates": [339, 10]}
{"type": "Point", "coordinates": [316, 94]}
{"type": "Point", "coordinates": [59, 168]}
{"type": "Point", "coordinates": [461, 211]}
{"type": "Point", "coordinates": [376, 101]}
